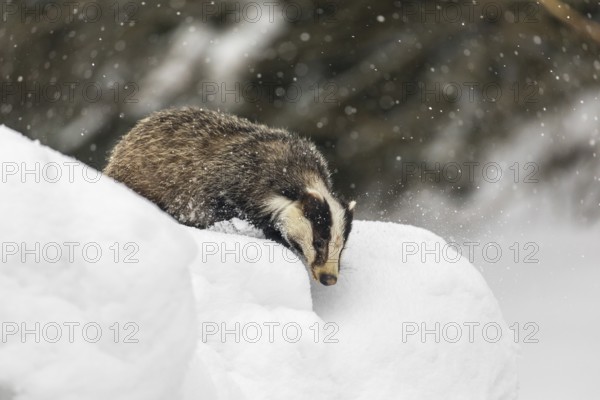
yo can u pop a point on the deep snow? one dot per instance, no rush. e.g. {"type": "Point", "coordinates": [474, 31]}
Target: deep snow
{"type": "Point", "coordinates": [359, 339]}
{"type": "Point", "coordinates": [154, 293]}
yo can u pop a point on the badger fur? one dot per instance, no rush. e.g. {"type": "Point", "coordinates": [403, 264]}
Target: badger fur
{"type": "Point", "coordinates": [203, 167]}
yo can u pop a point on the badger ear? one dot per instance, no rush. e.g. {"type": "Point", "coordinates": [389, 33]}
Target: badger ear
{"type": "Point", "coordinates": [351, 205]}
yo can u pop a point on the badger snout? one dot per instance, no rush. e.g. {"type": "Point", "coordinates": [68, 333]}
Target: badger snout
{"type": "Point", "coordinates": [327, 279]}
{"type": "Point", "coordinates": [327, 274]}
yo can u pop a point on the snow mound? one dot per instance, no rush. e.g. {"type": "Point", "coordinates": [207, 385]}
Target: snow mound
{"type": "Point", "coordinates": [389, 329]}
{"type": "Point", "coordinates": [81, 254]}
{"type": "Point", "coordinates": [224, 313]}
{"type": "Point", "coordinates": [417, 315]}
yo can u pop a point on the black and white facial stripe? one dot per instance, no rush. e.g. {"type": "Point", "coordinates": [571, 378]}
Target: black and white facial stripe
{"type": "Point", "coordinates": [316, 210]}
{"type": "Point", "coordinates": [317, 227]}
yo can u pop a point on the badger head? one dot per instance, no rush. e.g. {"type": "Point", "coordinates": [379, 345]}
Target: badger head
{"type": "Point", "coordinates": [316, 227]}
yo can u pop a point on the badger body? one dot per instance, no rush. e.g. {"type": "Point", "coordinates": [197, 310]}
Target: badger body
{"type": "Point", "coordinates": [203, 166]}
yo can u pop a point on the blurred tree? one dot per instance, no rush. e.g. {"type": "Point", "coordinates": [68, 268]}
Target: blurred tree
{"type": "Point", "coordinates": [378, 85]}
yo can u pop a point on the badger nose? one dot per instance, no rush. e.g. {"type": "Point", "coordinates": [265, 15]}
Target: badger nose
{"type": "Point", "coordinates": [327, 279]}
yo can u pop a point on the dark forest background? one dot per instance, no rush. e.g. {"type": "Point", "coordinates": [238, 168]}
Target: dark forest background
{"type": "Point", "coordinates": [396, 93]}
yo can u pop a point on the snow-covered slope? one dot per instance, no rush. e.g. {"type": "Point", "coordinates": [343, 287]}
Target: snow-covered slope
{"type": "Point", "coordinates": [261, 328]}
{"type": "Point", "coordinates": [371, 341]}
{"type": "Point", "coordinates": [59, 244]}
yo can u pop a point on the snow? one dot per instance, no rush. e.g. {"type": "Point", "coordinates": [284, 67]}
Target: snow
{"type": "Point", "coordinates": [201, 299]}
{"type": "Point", "coordinates": [381, 291]}
{"type": "Point", "coordinates": [154, 294]}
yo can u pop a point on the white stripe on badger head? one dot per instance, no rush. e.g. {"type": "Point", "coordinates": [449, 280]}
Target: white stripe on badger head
{"type": "Point", "coordinates": [293, 225]}
{"type": "Point", "coordinates": [338, 215]}
{"type": "Point", "coordinates": [276, 205]}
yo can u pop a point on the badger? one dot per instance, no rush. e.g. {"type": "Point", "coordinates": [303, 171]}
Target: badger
{"type": "Point", "coordinates": [203, 167]}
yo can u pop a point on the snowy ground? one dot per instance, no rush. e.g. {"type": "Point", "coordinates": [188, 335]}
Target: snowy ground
{"type": "Point", "coordinates": [103, 274]}
{"type": "Point", "coordinates": [402, 322]}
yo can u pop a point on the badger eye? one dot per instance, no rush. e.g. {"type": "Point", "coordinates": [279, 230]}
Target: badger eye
{"type": "Point", "coordinates": [320, 244]}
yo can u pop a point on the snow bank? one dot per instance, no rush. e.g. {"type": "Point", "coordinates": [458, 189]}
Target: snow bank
{"type": "Point", "coordinates": [408, 318]}
{"type": "Point", "coordinates": [79, 249]}
{"type": "Point", "coordinates": [419, 318]}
